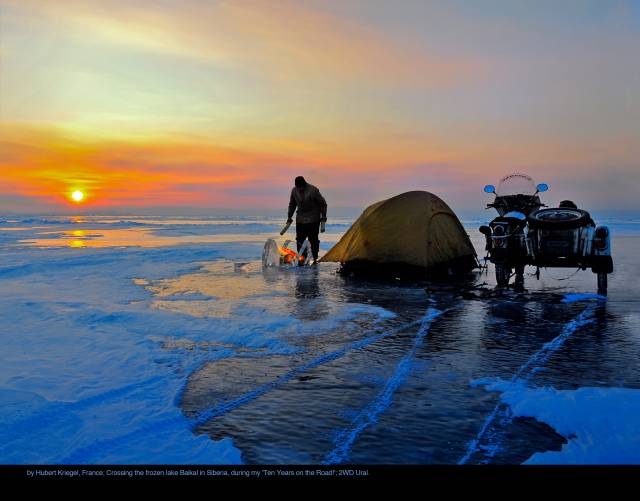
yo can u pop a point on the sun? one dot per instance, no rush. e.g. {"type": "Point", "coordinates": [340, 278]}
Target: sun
{"type": "Point", "coordinates": [77, 196]}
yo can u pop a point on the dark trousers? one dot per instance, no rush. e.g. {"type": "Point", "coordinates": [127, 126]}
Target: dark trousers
{"type": "Point", "coordinates": [310, 231]}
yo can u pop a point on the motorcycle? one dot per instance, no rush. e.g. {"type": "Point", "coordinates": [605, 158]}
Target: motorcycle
{"type": "Point", "coordinates": [527, 232]}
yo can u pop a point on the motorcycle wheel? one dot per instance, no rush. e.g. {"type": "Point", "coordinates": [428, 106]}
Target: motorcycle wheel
{"type": "Point", "coordinates": [502, 275]}
{"type": "Point", "coordinates": [602, 283]}
{"type": "Point", "coordinates": [558, 219]}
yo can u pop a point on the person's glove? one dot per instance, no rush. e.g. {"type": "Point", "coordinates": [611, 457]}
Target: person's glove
{"type": "Point", "coordinates": [322, 224]}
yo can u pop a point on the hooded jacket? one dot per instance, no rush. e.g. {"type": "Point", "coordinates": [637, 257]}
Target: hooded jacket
{"type": "Point", "coordinates": [311, 205]}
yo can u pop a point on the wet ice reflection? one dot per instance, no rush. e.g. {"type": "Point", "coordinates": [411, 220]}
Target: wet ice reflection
{"type": "Point", "coordinates": [141, 237]}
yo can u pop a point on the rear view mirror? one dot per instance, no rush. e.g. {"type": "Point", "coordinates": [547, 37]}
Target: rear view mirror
{"type": "Point", "coordinates": [542, 187]}
{"type": "Point", "coordinates": [490, 188]}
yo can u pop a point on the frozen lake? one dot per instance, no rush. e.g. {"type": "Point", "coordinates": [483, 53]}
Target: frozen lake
{"type": "Point", "coordinates": [162, 340]}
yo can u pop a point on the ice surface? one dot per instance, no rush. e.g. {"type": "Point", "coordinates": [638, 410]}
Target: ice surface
{"type": "Point", "coordinates": [161, 340]}
{"type": "Point", "coordinates": [369, 415]}
{"type": "Point", "coordinates": [488, 440]}
{"type": "Point", "coordinates": [93, 363]}
{"type": "Point", "coordinates": [600, 424]}
{"type": "Point", "coordinates": [572, 298]}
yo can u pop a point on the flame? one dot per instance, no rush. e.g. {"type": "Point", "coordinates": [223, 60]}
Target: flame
{"type": "Point", "coordinates": [289, 255]}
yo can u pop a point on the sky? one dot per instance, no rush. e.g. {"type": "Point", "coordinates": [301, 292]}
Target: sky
{"type": "Point", "coordinates": [218, 105]}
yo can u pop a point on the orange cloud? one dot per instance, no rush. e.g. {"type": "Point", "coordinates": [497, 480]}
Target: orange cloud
{"type": "Point", "coordinates": [48, 165]}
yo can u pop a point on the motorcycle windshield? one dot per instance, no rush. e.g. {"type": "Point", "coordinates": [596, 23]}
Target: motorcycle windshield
{"type": "Point", "coordinates": [516, 184]}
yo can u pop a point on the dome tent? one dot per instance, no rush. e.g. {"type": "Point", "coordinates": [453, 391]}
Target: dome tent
{"type": "Point", "coordinates": [413, 235]}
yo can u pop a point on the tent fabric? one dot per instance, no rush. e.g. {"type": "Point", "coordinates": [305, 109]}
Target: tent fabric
{"type": "Point", "coordinates": [415, 228]}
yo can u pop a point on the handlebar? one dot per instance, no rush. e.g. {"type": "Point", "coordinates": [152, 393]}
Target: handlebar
{"type": "Point", "coordinates": [519, 202]}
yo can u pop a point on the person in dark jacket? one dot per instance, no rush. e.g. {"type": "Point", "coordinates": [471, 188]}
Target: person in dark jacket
{"type": "Point", "coordinates": [311, 214]}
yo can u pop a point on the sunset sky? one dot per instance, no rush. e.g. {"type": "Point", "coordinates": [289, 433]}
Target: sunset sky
{"type": "Point", "coordinates": [212, 104]}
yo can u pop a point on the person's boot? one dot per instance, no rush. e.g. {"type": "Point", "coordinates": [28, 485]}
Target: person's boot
{"type": "Point", "coordinates": [315, 250]}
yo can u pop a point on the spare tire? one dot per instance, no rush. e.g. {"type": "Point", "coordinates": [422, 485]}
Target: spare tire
{"type": "Point", "coordinates": [558, 219]}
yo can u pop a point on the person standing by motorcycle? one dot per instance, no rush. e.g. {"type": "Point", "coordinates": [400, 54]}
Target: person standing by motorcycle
{"type": "Point", "coordinates": [311, 214]}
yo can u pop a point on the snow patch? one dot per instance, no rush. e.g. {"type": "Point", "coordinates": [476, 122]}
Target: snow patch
{"type": "Point", "coordinates": [600, 424]}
